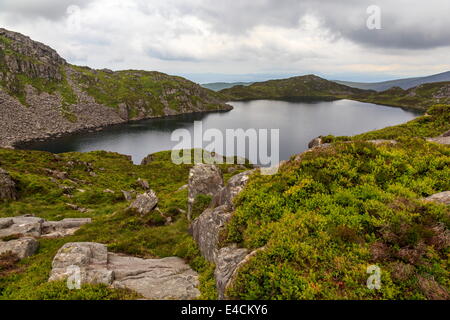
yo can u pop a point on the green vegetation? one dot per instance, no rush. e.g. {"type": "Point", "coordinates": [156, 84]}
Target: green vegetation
{"type": "Point", "coordinates": [312, 87]}
{"type": "Point", "coordinates": [421, 97]}
{"type": "Point", "coordinates": [152, 92]}
{"type": "Point", "coordinates": [200, 204]}
{"type": "Point", "coordinates": [433, 124]}
{"type": "Point", "coordinates": [327, 217]}
{"type": "Point", "coordinates": [84, 182]}
{"type": "Point", "coordinates": [297, 88]}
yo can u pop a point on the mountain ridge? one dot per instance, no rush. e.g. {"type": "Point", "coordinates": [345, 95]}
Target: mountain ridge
{"type": "Point", "coordinates": [406, 83]}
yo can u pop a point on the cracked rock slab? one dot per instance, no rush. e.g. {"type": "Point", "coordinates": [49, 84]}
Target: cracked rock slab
{"type": "Point", "coordinates": [157, 279]}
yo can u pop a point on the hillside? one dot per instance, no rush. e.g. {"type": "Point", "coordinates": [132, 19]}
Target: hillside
{"type": "Point", "coordinates": [333, 211]}
{"type": "Point", "coordinates": [217, 86]}
{"type": "Point", "coordinates": [303, 87]}
{"type": "Point", "coordinates": [37, 85]}
{"type": "Point", "coordinates": [313, 87]}
{"type": "Point", "coordinates": [405, 84]}
{"type": "Point", "coordinates": [421, 97]}
{"type": "Point", "coordinates": [308, 232]}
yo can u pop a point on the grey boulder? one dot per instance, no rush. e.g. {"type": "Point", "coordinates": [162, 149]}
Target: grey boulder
{"type": "Point", "coordinates": [22, 248]}
{"type": "Point", "coordinates": [145, 202]}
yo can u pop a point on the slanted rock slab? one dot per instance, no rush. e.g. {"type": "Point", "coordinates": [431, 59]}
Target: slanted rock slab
{"type": "Point", "coordinates": [156, 279]}
{"type": "Point", "coordinates": [167, 278]}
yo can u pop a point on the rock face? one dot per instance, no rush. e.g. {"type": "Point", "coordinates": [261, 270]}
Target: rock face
{"type": "Point", "coordinates": [204, 179]}
{"type": "Point", "coordinates": [22, 248]}
{"type": "Point", "coordinates": [227, 262]}
{"type": "Point", "coordinates": [207, 227]}
{"type": "Point", "coordinates": [37, 227]}
{"type": "Point", "coordinates": [206, 230]}
{"type": "Point", "coordinates": [443, 197]}
{"type": "Point", "coordinates": [235, 185]}
{"type": "Point", "coordinates": [446, 134]}
{"type": "Point", "coordinates": [168, 278]}
{"type": "Point", "coordinates": [145, 203]}
{"type": "Point", "coordinates": [7, 186]}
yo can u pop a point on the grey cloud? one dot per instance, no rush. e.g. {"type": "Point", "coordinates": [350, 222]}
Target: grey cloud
{"type": "Point", "coordinates": [406, 24]}
{"type": "Point", "coordinates": [50, 9]}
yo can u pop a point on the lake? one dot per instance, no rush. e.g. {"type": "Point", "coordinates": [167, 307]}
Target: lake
{"type": "Point", "coordinates": [298, 123]}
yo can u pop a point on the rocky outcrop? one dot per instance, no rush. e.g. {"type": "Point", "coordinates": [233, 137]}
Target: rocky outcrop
{"type": "Point", "coordinates": [22, 248]}
{"type": "Point", "coordinates": [30, 226]}
{"type": "Point", "coordinates": [227, 262]}
{"type": "Point", "coordinates": [167, 278]}
{"type": "Point", "coordinates": [442, 198]}
{"type": "Point", "coordinates": [204, 179]}
{"type": "Point", "coordinates": [207, 228]}
{"type": "Point", "coordinates": [145, 203]}
{"type": "Point", "coordinates": [315, 142]}
{"type": "Point", "coordinates": [7, 186]}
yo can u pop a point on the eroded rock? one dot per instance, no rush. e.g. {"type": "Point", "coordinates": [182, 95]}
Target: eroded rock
{"type": "Point", "coordinates": [7, 186]}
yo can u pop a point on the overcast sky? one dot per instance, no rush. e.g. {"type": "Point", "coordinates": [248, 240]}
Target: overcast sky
{"type": "Point", "coordinates": [242, 40]}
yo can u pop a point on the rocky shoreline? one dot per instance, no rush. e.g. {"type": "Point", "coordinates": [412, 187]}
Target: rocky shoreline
{"type": "Point", "coordinates": [22, 142]}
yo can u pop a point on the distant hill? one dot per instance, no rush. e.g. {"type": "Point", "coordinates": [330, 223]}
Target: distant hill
{"type": "Point", "coordinates": [311, 87]}
{"type": "Point", "coordinates": [217, 86]}
{"type": "Point", "coordinates": [302, 87]}
{"type": "Point", "coordinates": [405, 84]}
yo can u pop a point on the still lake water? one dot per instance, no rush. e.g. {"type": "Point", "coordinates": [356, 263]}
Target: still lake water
{"type": "Point", "coordinates": [298, 122]}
